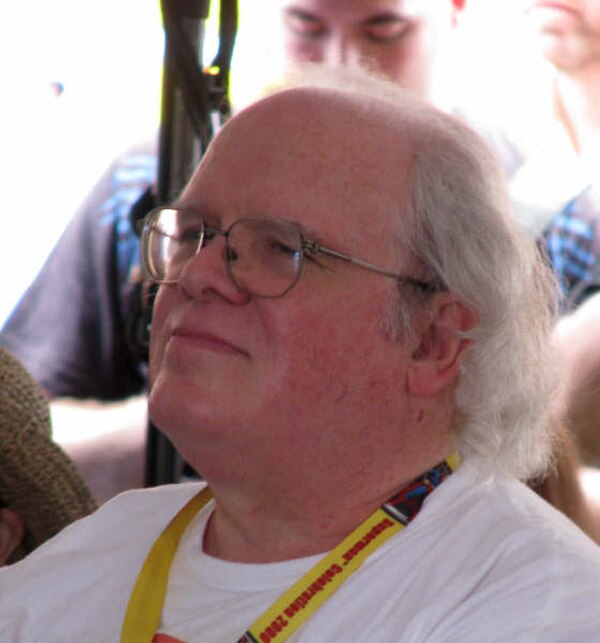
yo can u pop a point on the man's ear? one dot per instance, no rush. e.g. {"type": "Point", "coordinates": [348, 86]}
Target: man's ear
{"type": "Point", "coordinates": [439, 345]}
{"type": "Point", "coordinates": [12, 532]}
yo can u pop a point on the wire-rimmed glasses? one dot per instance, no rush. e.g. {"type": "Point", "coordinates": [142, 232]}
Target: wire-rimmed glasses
{"type": "Point", "coordinates": [264, 256]}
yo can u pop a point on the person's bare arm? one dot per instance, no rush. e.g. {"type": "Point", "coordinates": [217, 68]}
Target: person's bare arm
{"type": "Point", "coordinates": [106, 440]}
{"type": "Point", "coordinates": [578, 342]}
{"type": "Point", "coordinates": [563, 487]}
{"type": "Point", "coordinates": [590, 483]}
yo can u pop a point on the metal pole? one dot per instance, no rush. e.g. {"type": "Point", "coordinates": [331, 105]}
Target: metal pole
{"type": "Point", "coordinates": [194, 103]}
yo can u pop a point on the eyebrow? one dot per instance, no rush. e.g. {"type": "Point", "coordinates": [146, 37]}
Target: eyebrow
{"type": "Point", "coordinates": [297, 12]}
{"type": "Point", "coordinates": [377, 19]}
{"type": "Point", "coordinates": [199, 211]}
{"type": "Point", "coordinates": [182, 205]}
{"type": "Point", "coordinates": [211, 220]}
{"type": "Point", "coordinates": [383, 18]}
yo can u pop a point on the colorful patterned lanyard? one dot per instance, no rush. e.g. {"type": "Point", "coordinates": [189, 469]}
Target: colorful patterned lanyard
{"type": "Point", "coordinates": [297, 604]}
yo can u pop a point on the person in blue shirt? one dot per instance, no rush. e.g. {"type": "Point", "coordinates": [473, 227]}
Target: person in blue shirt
{"type": "Point", "coordinates": [556, 190]}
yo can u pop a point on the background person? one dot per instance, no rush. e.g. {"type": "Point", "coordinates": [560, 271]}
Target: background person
{"type": "Point", "coordinates": [566, 147]}
{"type": "Point", "coordinates": [554, 183]}
{"type": "Point", "coordinates": [70, 329]}
{"type": "Point", "coordinates": [322, 215]}
{"type": "Point", "coordinates": [402, 40]}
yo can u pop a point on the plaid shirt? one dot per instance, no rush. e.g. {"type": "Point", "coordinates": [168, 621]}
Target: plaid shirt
{"type": "Point", "coordinates": [572, 242]}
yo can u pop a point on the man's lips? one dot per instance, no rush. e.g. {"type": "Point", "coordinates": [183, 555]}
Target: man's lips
{"type": "Point", "coordinates": [205, 340]}
{"type": "Point", "coordinates": [550, 4]}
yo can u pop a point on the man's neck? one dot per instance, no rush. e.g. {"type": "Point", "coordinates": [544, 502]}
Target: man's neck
{"type": "Point", "coordinates": [578, 109]}
{"type": "Point", "coordinates": [296, 519]}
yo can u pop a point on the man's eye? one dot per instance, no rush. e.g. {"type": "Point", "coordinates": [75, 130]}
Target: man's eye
{"type": "Point", "coordinates": [277, 247]}
{"type": "Point", "coordinates": [302, 24]}
{"type": "Point", "coordinates": [189, 235]}
{"type": "Point", "coordinates": [386, 30]}
{"type": "Point", "coordinates": [209, 235]}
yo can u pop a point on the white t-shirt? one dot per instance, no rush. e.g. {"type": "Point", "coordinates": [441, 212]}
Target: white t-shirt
{"type": "Point", "coordinates": [483, 561]}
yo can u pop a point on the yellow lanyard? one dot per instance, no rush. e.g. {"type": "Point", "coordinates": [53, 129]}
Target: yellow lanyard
{"type": "Point", "coordinates": [298, 603]}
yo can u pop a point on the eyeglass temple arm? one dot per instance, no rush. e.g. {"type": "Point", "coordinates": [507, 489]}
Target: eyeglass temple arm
{"type": "Point", "coordinates": [313, 247]}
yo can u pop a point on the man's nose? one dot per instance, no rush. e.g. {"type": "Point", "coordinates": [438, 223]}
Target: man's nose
{"type": "Point", "coordinates": [206, 272]}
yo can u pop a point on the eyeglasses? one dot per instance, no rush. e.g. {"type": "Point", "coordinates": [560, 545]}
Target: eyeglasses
{"type": "Point", "coordinates": [264, 257]}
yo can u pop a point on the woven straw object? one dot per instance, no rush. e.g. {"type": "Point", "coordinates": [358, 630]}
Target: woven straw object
{"type": "Point", "coordinates": [37, 478]}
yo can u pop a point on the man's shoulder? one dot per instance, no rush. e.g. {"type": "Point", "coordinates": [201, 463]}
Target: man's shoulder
{"type": "Point", "coordinates": [501, 517]}
{"type": "Point", "coordinates": [485, 559]}
{"type": "Point", "coordinates": [504, 560]}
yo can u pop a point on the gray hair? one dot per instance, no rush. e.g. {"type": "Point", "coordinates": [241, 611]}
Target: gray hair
{"type": "Point", "coordinates": [462, 232]}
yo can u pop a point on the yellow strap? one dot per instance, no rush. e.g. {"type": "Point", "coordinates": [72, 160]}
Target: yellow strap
{"type": "Point", "coordinates": [144, 609]}
{"type": "Point", "coordinates": [454, 460]}
{"type": "Point", "coordinates": [297, 605]}
{"type": "Point", "coordinates": [291, 609]}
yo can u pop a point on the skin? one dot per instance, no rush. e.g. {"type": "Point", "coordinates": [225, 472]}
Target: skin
{"type": "Point", "coordinates": [568, 32]}
{"type": "Point", "coordinates": [397, 38]}
{"type": "Point", "coordinates": [242, 385]}
{"type": "Point", "coordinates": [12, 532]}
{"type": "Point", "coordinates": [577, 341]}
{"type": "Point", "coordinates": [568, 36]}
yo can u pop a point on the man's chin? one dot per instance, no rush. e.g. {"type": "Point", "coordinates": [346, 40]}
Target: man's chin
{"type": "Point", "coordinates": [178, 406]}
{"type": "Point", "coordinates": [166, 408]}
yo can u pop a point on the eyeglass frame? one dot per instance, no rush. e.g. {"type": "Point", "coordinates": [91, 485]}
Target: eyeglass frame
{"type": "Point", "coordinates": [308, 247]}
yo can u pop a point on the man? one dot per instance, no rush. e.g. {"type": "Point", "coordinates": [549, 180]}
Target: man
{"type": "Point", "coordinates": [344, 303]}
{"type": "Point", "coordinates": [70, 328]}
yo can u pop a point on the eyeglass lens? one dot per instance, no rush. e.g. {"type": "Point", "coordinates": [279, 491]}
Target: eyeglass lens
{"type": "Point", "coordinates": [264, 256]}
